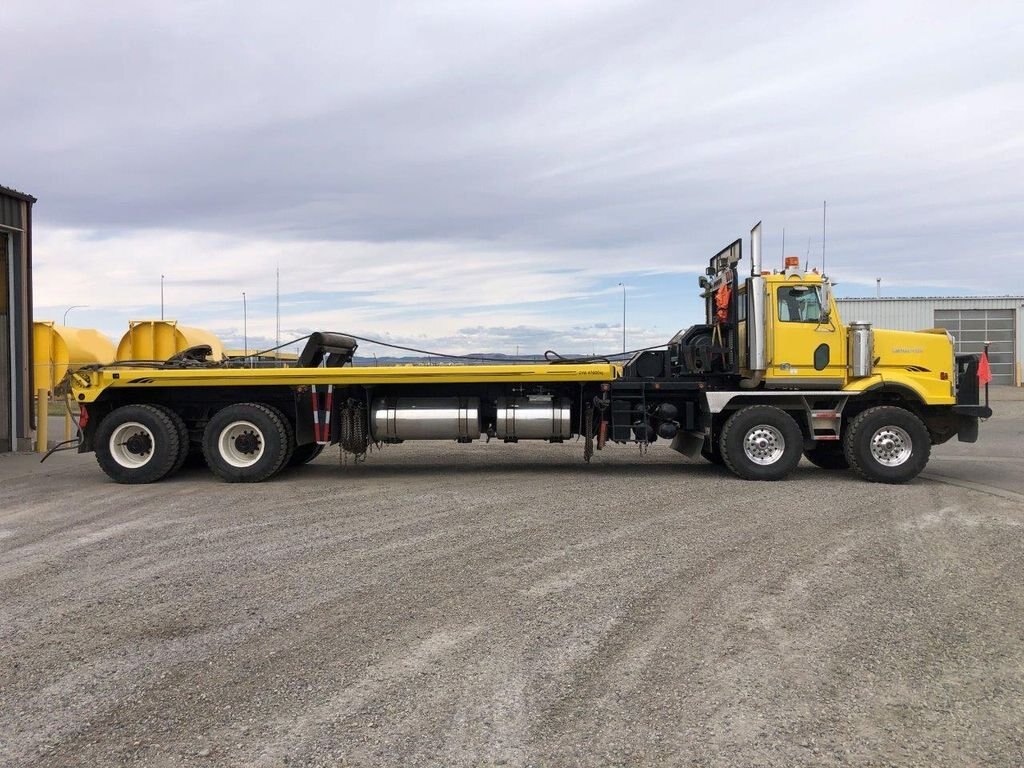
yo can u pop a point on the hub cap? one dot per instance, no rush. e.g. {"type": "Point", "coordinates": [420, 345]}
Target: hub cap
{"type": "Point", "coordinates": [764, 444]}
{"type": "Point", "coordinates": [891, 446]}
{"type": "Point", "coordinates": [241, 444]}
{"type": "Point", "coordinates": [131, 445]}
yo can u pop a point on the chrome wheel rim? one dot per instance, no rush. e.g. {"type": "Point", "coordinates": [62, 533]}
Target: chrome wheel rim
{"type": "Point", "coordinates": [891, 446]}
{"type": "Point", "coordinates": [241, 444]}
{"type": "Point", "coordinates": [131, 445]}
{"type": "Point", "coordinates": [764, 444]}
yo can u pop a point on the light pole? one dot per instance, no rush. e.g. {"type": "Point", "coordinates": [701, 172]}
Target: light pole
{"type": "Point", "coordinates": [245, 329]}
{"type": "Point", "coordinates": [623, 317]}
{"type": "Point", "coordinates": [73, 306]}
{"type": "Point", "coordinates": [161, 297]}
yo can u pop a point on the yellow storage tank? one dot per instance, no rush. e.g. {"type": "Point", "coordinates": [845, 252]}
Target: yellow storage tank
{"type": "Point", "coordinates": [161, 339]}
{"type": "Point", "coordinates": [58, 349]}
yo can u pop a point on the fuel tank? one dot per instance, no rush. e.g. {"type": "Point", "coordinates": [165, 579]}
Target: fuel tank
{"type": "Point", "coordinates": [523, 418]}
{"type": "Point", "coordinates": [394, 419]}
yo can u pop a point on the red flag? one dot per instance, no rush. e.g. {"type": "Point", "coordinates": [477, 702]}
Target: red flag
{"type": "Point", "coordinates": [984, 372]}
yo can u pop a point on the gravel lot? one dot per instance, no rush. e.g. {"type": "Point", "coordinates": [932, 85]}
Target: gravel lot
{"type": "Point", "coordinates": [506, 605]}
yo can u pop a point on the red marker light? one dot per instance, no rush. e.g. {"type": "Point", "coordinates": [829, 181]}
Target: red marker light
{"type": "Point", "coordinates": [83, 417]}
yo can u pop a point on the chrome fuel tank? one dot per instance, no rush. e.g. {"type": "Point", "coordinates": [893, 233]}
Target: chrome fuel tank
{"type": "Point", "coordinates": [861, 349]}
{"type": "Point", "coordinates": [426, 418]}
{"type": "Point", "coordinates": [524, 418]}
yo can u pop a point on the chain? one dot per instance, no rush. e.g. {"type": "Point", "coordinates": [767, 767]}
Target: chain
{"type": "Point", "coordinates": [588, 446]}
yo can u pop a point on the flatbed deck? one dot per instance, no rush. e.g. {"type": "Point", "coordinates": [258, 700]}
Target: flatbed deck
{"type": "Point", "coordinates": [89, 385]}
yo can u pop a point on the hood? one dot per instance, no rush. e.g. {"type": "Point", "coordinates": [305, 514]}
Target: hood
{"type": "Point", "coordinates": [930, 350]}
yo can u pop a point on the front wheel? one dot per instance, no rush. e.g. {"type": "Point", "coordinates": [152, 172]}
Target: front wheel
{"type": "Point", "coordinates": [137, 444]}
{"type": "Point", "coordinates": [761, 442]}
{"type": "Point", "coordinates": [887, 444]}
{"type": "Point", "coordinates": [246, 443]}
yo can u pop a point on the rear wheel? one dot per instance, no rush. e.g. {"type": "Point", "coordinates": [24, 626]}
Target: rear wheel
{"type": "Point", "coordinates": [827, 456]}
{"type": "Point", "coordinates": [137, 444]}
{"type": "Point", "coordinates": [246, 443]}
{"type": "Point", "coordinates": [887, 444]}
{"type": "Point", "coordinates": [183, 438]}
{"type": "Point", "coordinates": [761, 442]}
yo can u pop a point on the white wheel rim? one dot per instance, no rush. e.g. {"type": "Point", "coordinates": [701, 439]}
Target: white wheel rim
{"type": "Point", "coordinates": [241, 444]}
{"type": "Point", "coordinates": [131, 445]}
{"type": "Point", "coordinates": [891, 446]}
{"type": "Point", "coordinates": [764, 444]}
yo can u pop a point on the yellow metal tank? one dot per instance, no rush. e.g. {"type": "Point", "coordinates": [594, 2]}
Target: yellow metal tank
{"type": "Point", "coordinates": [58, 349]}
{"type": "Point", "coordinates": [161, 339]}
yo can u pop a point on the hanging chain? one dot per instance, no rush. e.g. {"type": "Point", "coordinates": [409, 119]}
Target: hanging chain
{"type": "Point", "coordinates": [588, 446]}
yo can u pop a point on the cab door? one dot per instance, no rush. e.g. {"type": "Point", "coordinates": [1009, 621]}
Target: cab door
{"type": "Point", "coordinates": [808, 346]}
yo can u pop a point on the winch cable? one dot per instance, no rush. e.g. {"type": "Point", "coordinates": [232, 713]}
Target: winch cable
{"type": "Point", "coordinates": [550, 356]}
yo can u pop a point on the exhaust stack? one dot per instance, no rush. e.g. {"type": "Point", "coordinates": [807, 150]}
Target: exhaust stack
{"type": "Point", "coordinates": [755, 250]}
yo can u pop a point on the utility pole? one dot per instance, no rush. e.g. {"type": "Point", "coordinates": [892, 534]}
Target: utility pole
{"type": "Point", "coordinates": [161, 297]}
{"type": "Point", "coordinates": [245, 328]}
{"type": "Point", "coordinates": [878, 287]}
{"type": "Point", "coordinates": [277, 338]}
{"type": "Point", "coordinates": [623, 317]}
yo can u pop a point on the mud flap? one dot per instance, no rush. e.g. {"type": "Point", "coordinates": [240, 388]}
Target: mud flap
{"type": "Point", "coordinates": [688, 443]}
{"type": "Point", "coordinates": [967, 429]}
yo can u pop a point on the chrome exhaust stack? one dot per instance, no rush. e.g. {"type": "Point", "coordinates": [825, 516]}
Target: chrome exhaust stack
{"type": "Point", "coordinates": [755, 250]}
{"type": "Point", "coordinates": [756, 357]}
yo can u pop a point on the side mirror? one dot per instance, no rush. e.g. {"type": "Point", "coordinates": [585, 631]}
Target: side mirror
{"type": "Point", "coordinates": [825, 299]}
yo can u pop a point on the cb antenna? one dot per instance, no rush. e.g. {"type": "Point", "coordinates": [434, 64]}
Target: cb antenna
{"type": "Point", "coordinates": [824, 209]}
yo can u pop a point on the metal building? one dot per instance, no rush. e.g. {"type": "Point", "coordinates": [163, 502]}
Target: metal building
{"type": "Point", "coordinates": [972, 320]}
{"type": "Point", "coordinates": [16, 386]}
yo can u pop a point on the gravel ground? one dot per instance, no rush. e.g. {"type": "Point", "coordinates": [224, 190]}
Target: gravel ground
{"type": "Point", "coordinates": [506, 605]}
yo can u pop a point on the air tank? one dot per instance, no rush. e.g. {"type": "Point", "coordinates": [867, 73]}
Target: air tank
{"type": "Point", "coordinates": [161, 339]}
{"type": "Point", "coordinates": [394, 419]}
{"type": "Point", "coordinates": [523, 418]}
{"type": "Point", "coordinates": [58, 349]}
{"type": "Point", "coordinates": [862, 349]}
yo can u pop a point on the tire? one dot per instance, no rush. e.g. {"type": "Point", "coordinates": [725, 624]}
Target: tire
{"type": "Point", "coordinates": [303, 454]}
{"type": "Point", "coordinates": [183, 438]}
{"type": "Point", "coordinates": [827, 456]}
{"type": "Point", "coordinates": [246, 443]}
{"type": "Point", "coordinates": [761, 442]}
{"type": "Point", "coordinates": [887, 444]}
{"type": "Point", "coordinates": [137, 444]}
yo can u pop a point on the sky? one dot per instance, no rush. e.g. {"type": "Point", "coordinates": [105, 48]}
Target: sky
{"type": "Point", "coordinates": [469, 176]}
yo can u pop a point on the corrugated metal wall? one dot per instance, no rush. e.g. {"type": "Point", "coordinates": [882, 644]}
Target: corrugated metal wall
{"type": "Point", "coordinates": [961, 315]}
{"type": "Point", "coordinates": [16, 422]}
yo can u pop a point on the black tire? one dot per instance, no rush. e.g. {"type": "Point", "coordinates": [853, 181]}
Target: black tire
{"type": "Point", "coordinates": [246, 443]}
{"type": "Point", "coordinates": [827, 456]}
{"type": "Point", "coordinates": [887, 444]}
{"type": "Point", "coordinates": [137, 444]}
{"type": "Point", "coordinates": [769, 432]}
{"type": "Point", "coordinates": [303, 454]}
{"type": "Point", "coordinates": [183, 438]}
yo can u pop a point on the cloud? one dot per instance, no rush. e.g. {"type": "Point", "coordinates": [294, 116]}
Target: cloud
{"type": "Point", "coordinates": [428, 167]}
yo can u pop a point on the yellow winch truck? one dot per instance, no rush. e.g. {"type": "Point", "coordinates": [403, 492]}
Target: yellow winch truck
{"type": "Point", "coordinates": [772, 374]}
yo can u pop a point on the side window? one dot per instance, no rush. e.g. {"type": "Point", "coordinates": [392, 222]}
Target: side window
{"type": "Point", "coordinates": [799, 304]}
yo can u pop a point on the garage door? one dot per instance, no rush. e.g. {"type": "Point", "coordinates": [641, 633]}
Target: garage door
{"type": "Point", "coordinates": [973, 327]}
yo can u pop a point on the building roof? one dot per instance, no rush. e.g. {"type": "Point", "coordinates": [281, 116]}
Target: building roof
{"type": "Point", "coordinates": [15, 193]}
{"type": "Point", "coordinates": [930, 298]}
